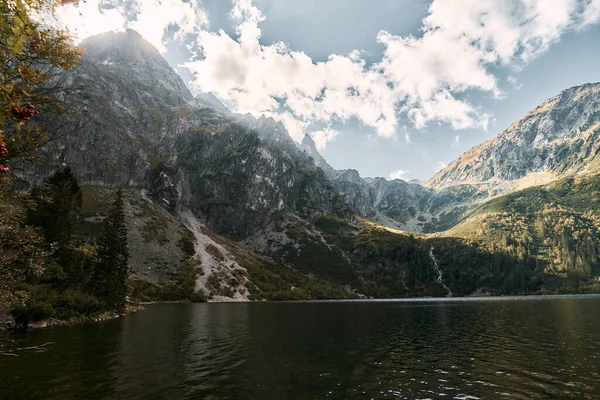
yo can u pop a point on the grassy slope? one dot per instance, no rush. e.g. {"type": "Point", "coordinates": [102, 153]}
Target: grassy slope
{"type": "Point", "coordinates": [557, 224]}
{"type": "Point", "coordinates": [161, 256]}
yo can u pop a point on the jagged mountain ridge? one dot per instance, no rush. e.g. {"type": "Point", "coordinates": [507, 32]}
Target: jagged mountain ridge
{"type": "Point", "coordinates": [241, 185]}
{"type": "Point", "coordinates": [132, 121]}
{"type": "Point", "coordinates": [125, 96]}
{"type": "Point", "coordinates": [395, 203]}
{"type": "Point", "coordinates": [114, 104]}
{"type": "Point", "coordinates": [557, 137]}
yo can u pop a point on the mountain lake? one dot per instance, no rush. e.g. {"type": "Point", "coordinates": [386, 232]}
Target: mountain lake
{"type": "Point", "coordinates": [452, 348]}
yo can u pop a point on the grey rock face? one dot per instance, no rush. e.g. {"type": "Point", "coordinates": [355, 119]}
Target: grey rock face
{"type": "Point", "coordinates": [558, 136]}
{"type": "Point", "coordinates": [209, 100]}
{"type": "Point", "coordinates": [132, 122]}
{"type": "Point", "coordinates": [308, 145]}
{"type": "Point", "coordinates": [123, 104]}
{"type": "Point", "coordinates": [395, 203]}
{"type": "Point", "coordinates": [236, 180]}
{"type": "Point", "coordinates": [132, 60]}
{"type": "Point", "coordinates": [397, 200]}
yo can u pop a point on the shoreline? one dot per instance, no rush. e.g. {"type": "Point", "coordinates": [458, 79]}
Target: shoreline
{"type": "Point", "coordinates": [8, 324]}
{"type": "Point", "coordinates": [50, 322]}
{"type": "Point", "coordinates": [490, 297]}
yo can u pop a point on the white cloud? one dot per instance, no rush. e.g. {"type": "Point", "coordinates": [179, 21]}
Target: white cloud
{"type": "Point", "coordinates": [456, 141]}
{"type": "Point", "coordinates": [591, 14]}
{"type": "Point", "coordinates": [253, 77]}
{"type": "Point", "coordinates": [87, 18]}
{"type": "Point", "coordinates": [155, 16]}
{"type": "Point", "coordinates": [399, 174]}
{"type": "Point", "coordinates": [440, 166]}
{"type": "Point", "coordinates": [151, 18]}
{"type": "Point", "coordinates": [420, 78]}
{"type": "Point", "coordinates": [324, 136]}
{"type": "Point", "coordinates": [514, 82]}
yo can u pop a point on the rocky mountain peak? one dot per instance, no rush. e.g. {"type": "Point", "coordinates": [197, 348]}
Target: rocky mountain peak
{"type": "Point", "coordinates": [308, 142]}
{"type": "Point", "coordinates": [309, 146]}
{"type": "Point", "coordinates": [559, 136]}
{"type": "Point", "coordinates": [352, 175]}
{"type": "Point", "coordinates": [126, 47]}
{"type": "Point", "coordinates": [129, 58]}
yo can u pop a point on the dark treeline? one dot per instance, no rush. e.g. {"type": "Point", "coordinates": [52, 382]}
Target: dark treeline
{"type": "Point", "coordinates": [387, 264]}
{"type": "Point", "coordinates": [76, 278]}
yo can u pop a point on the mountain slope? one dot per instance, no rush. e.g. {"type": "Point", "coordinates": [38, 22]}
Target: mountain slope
{"type": "Point", "coordinates": [396, 204]}
{"type": "Point", "coordinates": [189, 167]}
{"type": "Point", "coordinates": [559, 136]}
{"type": "Point", "coordinates": [233, 196]}
{"type": "Point", "coordinates": [122, 101]}
{"type": "Point", "coordinates": [557, 224]}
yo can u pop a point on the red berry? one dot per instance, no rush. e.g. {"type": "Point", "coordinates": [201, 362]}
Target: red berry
{"type": "Point", "coordinates": [20, 114]}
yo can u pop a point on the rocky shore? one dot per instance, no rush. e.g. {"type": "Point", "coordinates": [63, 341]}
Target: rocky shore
{"type": "Point", "coordinates": [7, 322]}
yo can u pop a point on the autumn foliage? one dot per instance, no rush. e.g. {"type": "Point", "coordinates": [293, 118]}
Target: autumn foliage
{"type": "Point", "coordinates": [31, 49]}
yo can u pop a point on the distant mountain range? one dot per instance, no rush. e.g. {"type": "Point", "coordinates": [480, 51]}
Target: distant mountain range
{"type": "Point", "coordinates": [267, 218]}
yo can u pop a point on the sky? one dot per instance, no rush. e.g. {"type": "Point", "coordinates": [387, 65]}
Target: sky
{"type": "Point", "coordinates": [391, 88]}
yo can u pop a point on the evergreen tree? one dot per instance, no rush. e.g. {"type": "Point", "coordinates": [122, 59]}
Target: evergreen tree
{"type": "Point", "coordinates": [58, 204]}
{"type": "Point", "coordinates": [56, 207]}
{"type": "Point", "coordinates": [109, 281]}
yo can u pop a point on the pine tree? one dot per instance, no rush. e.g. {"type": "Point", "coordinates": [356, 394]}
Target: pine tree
{"type": "Point", "coordinates": [109, 281]}
{"type": "Point", "coordinates": [56, 207]}
{"type": "Point", "coordinates": [58, 204]}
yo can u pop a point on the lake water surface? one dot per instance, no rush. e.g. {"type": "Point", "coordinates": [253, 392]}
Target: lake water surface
{"type": "Point", "coordinates": [513, 348]}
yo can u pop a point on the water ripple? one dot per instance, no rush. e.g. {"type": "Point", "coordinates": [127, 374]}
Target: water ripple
{"type": "Point", "coordinates": [463, 350]}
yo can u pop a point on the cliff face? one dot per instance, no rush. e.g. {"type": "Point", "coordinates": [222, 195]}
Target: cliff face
{"type": "Point", "coordinates": [121, 101]}
{"type": "Point", "coordinates": [237, 178]}
{"type": "Point", "coordinates": [557, 137]}
{"type": "Point", "coordinates": [131, 121]}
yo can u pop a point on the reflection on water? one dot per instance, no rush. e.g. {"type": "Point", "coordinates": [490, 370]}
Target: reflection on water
{"type": "Point", "coordinates": [533, 348]}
